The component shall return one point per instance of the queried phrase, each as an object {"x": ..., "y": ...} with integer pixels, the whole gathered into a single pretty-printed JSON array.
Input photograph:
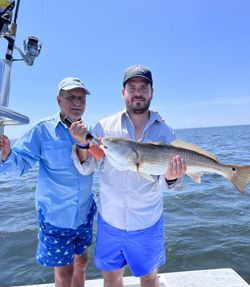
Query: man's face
[
  {"x": 137, "y": 94},
  {"x": 72, "y": 103}
]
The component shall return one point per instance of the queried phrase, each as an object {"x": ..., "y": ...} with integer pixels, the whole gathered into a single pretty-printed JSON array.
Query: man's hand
[
  {"x": 176, "y": 168},
  {"x": 4, "y": 146},
  {"x": 79, "y": 131}
]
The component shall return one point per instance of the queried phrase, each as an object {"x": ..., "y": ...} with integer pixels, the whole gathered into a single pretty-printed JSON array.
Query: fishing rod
[
  {"x": 32, "y": 48},
  {"x": 93, "y": 149}
]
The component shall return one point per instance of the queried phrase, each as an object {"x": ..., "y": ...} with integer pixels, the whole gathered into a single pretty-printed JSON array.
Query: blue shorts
[
  {"x": 57, "y": 246},
  {"x": 142, "y": 250}
]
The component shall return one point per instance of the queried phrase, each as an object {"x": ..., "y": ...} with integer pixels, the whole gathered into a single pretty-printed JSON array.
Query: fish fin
[
  {"x": 190, "y": 146},
  {"x": 145, "y": 175},
  {"x": 137, "y": 170},
  {"x": 239, "y": 176},
  {"x": 195, "y": 176},
  {"x": 156, "y": 143},
  {"x": 137, "y": 167}
]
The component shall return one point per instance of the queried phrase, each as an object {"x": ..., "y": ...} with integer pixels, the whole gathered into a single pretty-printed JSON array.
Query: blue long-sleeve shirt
[{"x": 62, "y": 193}]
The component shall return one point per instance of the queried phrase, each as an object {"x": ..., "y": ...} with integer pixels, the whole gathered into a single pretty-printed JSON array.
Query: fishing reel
[
  {"x": 32, "y": 45},
  {"x": 32, "y": 48}
]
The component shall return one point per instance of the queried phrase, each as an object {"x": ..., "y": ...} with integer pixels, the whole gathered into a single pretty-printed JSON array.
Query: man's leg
[
  {"x": 113, "y": 278},
  {"x": 63, "y": 275},
  {"x": 108, "y": 253},
  {"x": 80, "y": 264},
  {"x": 150, "y": 280},
  {"x": 72, "y": 275}
]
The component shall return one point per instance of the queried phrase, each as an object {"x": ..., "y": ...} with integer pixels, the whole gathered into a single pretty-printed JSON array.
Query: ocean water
[{"x": 206, "y": 226}]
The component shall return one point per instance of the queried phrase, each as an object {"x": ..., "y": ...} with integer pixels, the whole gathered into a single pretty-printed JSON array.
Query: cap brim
[
  {"x": 136, "y": 76},
  {"x": 71, "y": 87}
]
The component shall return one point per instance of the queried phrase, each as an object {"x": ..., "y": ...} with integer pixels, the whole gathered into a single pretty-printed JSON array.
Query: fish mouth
[{"x": 103, "y": 146}]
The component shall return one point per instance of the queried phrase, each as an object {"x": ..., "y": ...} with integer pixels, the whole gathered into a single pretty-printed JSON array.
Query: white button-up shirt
[{"x": 128, "y": 201}]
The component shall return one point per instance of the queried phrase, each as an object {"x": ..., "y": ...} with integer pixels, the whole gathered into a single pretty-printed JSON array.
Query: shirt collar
[
  {"x": 57, "y": 119},
  {"x": 153, "y": 116}
]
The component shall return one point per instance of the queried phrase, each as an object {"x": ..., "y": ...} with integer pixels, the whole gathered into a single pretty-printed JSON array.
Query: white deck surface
[{"x": 199, "y": 278}]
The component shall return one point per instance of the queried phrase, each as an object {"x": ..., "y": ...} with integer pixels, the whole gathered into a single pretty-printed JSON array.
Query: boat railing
[{"x": 7, "y": 116}]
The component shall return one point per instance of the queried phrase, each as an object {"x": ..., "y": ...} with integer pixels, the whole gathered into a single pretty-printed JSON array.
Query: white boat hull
[{"x": 199, "y": 278}]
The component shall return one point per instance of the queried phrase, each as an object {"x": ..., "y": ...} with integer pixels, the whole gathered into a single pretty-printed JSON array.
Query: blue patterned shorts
[{"x": 57, "y": 246}]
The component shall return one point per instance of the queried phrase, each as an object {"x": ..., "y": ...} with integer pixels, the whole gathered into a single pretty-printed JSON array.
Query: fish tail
[{"x": 239, "y": 176}]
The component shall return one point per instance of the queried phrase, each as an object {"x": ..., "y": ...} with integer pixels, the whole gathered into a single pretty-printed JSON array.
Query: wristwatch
[
  {"x": 171, "y": 181},
  {"x": 82, "y": 146}
]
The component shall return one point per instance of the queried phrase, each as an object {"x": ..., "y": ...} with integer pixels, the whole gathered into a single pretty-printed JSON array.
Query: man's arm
[
  {"x": 79, "y": 132},
  {"x": 83, "y": 154},
  {"x": 22, "y": 156}
]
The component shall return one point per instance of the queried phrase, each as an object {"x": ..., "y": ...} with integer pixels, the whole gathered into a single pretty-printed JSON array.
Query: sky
[{"x": 198, "y": 52}]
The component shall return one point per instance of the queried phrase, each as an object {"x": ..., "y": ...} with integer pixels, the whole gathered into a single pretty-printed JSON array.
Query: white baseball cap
[{"x": 70, "y": 83}]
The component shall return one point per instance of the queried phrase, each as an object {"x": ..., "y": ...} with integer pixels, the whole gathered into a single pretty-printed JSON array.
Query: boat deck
[{"x": 199, "y": 278}]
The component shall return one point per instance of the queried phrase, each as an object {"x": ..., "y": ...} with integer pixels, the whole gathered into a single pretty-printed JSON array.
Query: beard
[{"x": 138, "y": 107}]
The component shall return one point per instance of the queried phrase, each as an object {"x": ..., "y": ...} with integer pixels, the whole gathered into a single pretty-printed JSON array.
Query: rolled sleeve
[{"x": 87, "y": 167}]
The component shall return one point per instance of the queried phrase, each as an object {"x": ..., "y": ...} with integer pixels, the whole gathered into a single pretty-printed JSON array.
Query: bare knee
[
  {"x": 114, "y": 278},
  {"x": 63, "y": 275},
  {"x": 80, "y": 262},
  {"x": 150, "y": 280}
]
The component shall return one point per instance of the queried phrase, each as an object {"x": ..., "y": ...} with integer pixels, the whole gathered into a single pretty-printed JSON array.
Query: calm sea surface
[{"x": 207, "y": 225}]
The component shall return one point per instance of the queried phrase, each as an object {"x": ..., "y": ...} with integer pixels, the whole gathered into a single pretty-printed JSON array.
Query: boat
[{"x": 225, "y": 277}]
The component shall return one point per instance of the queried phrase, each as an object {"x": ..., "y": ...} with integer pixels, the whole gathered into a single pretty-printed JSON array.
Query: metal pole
[
  {"x": 8, "y": 59},
  {"x": 16, "y": 11},
  {"x": 11, "y": 39}
]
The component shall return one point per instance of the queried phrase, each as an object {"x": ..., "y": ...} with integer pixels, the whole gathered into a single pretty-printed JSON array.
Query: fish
[{"x": 151, "y": 158}]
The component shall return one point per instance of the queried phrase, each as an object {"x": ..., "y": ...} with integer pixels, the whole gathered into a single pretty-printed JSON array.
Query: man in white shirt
[{"x": 130, "y": 221}]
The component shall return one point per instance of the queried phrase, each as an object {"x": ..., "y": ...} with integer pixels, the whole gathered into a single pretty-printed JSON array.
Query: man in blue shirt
[
  {"x": 130, "y": 229},
  {"x": 64, "y": 200}
]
